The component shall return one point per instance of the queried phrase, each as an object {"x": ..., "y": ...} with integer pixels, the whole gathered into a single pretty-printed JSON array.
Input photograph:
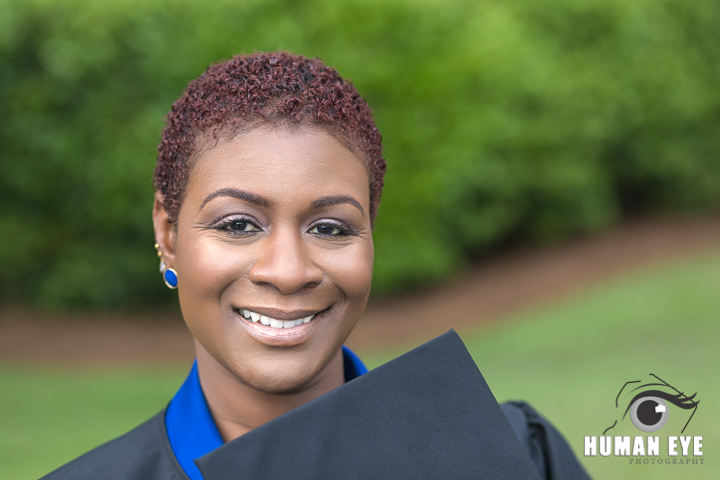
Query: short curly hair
[{"x": 265, "y": 88}]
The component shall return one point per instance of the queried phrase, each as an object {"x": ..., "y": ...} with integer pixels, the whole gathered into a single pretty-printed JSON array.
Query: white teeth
[{"x": 272, "y": 322}]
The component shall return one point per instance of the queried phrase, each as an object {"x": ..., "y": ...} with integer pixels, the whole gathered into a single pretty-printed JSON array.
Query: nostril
[{"x": 285, "y": 276}]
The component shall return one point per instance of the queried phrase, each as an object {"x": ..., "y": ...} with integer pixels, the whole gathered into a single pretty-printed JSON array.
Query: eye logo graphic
[{"x": 649, "y": 408}]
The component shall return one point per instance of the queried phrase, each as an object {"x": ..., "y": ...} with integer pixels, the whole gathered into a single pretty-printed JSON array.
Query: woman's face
[{"x": 274, "y": 226}]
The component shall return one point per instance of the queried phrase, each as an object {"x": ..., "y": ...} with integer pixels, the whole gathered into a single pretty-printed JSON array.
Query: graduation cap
[{"x": 427, "y": 414}]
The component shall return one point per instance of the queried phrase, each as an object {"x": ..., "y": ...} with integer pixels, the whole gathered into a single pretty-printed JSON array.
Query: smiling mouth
[{"x": 272, "y": 322}]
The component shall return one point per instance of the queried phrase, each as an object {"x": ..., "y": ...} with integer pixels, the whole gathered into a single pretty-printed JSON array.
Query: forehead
[{"x": 280, "y": 163}]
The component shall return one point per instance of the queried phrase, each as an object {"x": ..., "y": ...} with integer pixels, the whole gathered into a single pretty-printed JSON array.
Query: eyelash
[
  {"x": 345, "y": 228},
  {"x": 226, "y": 222}
]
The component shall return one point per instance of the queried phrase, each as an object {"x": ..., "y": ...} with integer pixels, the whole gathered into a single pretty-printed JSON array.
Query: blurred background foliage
[{"x": 522, "y": 121}]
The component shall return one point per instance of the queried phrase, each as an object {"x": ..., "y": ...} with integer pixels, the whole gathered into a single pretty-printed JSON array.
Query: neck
[{"x": 238, "y": 407}]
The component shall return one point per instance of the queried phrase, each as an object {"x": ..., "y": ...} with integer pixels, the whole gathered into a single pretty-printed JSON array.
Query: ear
[{"x": 164, "y": 231}]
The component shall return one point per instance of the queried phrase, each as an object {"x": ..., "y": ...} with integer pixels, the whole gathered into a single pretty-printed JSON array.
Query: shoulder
[
  {"x": 142, "y": 453},
  {"x": 547, "y": 448}
]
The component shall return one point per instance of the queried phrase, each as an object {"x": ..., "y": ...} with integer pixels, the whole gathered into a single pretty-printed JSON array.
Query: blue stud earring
[
  {"x": 170, "y": 278},
  {"x": 169, "y": 275}
]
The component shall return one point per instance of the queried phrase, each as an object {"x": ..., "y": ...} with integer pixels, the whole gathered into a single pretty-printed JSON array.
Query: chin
[
  {"x": 279, "y": 377},
  {"x": 279, "y": 386}
]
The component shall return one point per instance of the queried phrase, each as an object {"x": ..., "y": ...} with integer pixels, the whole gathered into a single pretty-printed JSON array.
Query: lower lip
[{"x": 281, "y": 337}]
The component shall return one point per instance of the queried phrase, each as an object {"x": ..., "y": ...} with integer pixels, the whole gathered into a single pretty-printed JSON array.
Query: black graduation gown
[{"x": 428, "y": 414}]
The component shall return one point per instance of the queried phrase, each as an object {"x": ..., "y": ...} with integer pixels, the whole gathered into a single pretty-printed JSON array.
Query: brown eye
[
  {"x": 241, "y": 226},
  {"x": 325, "y": 229}
]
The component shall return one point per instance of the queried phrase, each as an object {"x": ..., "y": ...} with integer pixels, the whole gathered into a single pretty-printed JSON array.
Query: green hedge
[{"x": 514, "y": 121}]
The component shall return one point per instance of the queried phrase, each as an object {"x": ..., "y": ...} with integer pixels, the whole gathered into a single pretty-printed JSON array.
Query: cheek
[
  {"x": 207, "y": 267},
  {"x": 350, "y": 269}
]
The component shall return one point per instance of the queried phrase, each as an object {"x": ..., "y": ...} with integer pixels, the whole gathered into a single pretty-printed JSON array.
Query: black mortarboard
[{"x": 428, "y": 414}]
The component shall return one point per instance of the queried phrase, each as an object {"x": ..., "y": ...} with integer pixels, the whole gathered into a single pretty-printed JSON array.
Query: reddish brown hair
[{"x": 247, "y": 91}]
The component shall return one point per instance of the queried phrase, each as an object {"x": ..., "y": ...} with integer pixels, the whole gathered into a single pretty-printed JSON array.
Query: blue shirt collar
[{"x": 191, "y": 429}]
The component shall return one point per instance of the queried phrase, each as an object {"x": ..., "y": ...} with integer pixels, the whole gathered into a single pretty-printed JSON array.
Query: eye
[
  {"x": 325, "y": 229},
  {"x": 237, "y": 226},
  {"x": 241, "y": 226},
  {"x": 649, "y": 413},
  {"x": 331, "y": 229}
]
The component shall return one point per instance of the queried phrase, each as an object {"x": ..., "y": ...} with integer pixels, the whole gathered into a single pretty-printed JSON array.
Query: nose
[{"x": 284, "y": 262}]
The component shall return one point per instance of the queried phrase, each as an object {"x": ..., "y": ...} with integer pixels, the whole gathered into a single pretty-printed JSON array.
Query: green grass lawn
[{"x": 568, "y": 360}]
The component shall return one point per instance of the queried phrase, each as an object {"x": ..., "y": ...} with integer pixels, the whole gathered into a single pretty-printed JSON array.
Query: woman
[{"x": 268, "y": 182}]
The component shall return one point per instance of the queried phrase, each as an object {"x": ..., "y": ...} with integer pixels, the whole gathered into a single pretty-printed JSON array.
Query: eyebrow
[
  {"x": 239, "y": 194},
  {"x": 336, "y": 200},
  {"x": 263, "y": 202}
]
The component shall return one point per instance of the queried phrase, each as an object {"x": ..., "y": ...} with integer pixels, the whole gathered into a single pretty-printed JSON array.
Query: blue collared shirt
[{"x": 190, "y": 427}]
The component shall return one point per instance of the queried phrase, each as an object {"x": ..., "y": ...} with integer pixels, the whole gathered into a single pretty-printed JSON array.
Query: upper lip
[{"x": 280, "y": 314}]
